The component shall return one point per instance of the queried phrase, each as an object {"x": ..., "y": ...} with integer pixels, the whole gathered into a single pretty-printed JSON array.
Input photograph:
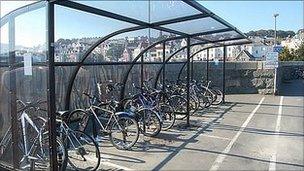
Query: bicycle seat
[{"x": 63, "y": 114}]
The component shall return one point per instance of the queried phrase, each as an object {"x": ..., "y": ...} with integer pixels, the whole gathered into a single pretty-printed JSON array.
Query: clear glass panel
[
  {"x": 196, "y": 26},
  {"x": 240, "y": 41},
  {"x": 165, "y": 10},
  {"x": 8, "y": 6},
  {"x": 131, "y": 8},
  {"x": 221, "y": 36},
  {"x": 30, "y": 36},
  {"x": 25, "y": 80},
  {"x": 5, "y": 117},
  {"x": 127, "y": 46},
  {"x": 159, "y": 10},
  {"x": 4, "y": 47},
  {"x": 76, "y": 31}
]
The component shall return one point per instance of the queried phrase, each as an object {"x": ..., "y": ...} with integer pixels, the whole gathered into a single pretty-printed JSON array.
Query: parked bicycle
[{"x": 33, "y": 143}]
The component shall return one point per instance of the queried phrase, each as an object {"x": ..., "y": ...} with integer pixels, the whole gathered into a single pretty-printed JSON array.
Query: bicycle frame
[{"x": 106, "y": 127}]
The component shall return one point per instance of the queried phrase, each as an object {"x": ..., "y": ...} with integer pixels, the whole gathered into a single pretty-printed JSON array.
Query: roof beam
[
  {"x": 212, "y": 32},
  {"x": 181, "y": 19},
  {"x": 201, "y": 8},
  {"x": 96, "y": 11}
]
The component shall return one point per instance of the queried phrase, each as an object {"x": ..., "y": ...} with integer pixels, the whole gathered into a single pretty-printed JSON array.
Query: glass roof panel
[
  {"x": 240, "y": 41},
  {"x": 196, "y": 26},
  {"x": 8, "y": 6},
  {"x": 134, "y": 9},
  {"x": 159, "y": 10},
  {"x": 77, "y": 31},
  {"x": 165, "y": 10},
  {"x": 221, "y": 36}
]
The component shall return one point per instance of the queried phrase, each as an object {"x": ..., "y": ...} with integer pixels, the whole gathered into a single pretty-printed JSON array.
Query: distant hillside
[{"x": 270, "y": 33}]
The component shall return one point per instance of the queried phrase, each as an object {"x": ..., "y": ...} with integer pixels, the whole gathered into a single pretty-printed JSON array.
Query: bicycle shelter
[{"x": 43, "y": 72}]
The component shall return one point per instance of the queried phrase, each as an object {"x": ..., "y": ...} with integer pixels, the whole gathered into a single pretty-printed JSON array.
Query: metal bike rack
[{"x": 201, "y": 36}]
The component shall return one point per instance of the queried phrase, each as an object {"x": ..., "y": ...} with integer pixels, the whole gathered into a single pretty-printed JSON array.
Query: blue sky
[
  {"x": 254, "y": 15},
  {"x": 245, "y": 15}
]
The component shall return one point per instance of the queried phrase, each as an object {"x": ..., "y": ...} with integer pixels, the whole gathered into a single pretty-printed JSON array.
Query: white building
[{"x": 294, "y": 42}]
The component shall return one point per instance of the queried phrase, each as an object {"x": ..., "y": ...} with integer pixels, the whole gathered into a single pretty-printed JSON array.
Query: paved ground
[{"x": 249, "y": 132}]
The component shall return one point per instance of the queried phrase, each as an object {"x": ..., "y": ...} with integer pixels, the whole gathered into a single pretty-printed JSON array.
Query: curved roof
[{"x": 184, "y": 18}]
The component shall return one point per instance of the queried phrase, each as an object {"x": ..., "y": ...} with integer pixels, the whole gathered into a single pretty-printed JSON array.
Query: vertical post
[
  {"x": 142, "y": 71},
  {"x": 12, "y": 91},
  {"x": 224, "y": 74},
  {"x": 207, "y": 68},
  {"x": 142, "y": 85},
  {"x": 191, "y": 71},
  {"x": 51, "y": 86},
  {"x": 275, "y": 43},
  {"x": 164, "y": 65},
  {"x": 188, "y": 81}
]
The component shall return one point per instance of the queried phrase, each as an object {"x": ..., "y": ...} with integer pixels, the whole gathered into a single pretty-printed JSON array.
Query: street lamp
[
  {"x": 275, "y": 43},
  {"x": 275, "y": 28}
]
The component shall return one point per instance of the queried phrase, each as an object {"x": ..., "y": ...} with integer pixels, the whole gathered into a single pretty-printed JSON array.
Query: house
[
  {"x": 244, "y": 55},
  {"x": 294, "y": 42}
]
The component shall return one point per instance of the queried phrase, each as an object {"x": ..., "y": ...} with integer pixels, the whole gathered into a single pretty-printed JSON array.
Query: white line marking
[
  {"x": 107, "y": 163},
  {"x": 217, "y": 137},
  {"x": 273, "y": 160},
  {"x": 221, "y": 157},
  {"x": 114, "y": 165}
]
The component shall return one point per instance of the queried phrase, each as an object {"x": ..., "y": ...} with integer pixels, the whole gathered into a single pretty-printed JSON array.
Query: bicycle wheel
[
  {"x": 40, "y": 160},
  {"x": 219, "y": 97},
  {"x": 83, "y": 151},
  {"x": 168, "y": 116},
  {"x": 179, "y": 104},
  {"x": 149, "y": 122},
  {"x": 124, "y": 133}
]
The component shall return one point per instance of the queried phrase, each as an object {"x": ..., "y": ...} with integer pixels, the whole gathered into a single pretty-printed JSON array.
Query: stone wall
[{"x": 241, "y": 77}]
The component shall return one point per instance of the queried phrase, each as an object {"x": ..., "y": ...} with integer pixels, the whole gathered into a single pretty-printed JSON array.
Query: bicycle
[
  {"x": 122, "y": 128},
  {"x": 83, "y": 151},
  {"x": 34, "y": 148}
]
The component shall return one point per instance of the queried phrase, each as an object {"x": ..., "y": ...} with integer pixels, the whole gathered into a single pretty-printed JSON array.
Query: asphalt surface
[{"x": 248, "y": 132}]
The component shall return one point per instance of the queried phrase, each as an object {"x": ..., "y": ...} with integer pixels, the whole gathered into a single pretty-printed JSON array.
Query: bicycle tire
[
  {"x": 151, "y": 120},
  {"x": 168, "y": 116},
  {"x": 86, "y": 154},
  {"x": 122, "y": 145}
]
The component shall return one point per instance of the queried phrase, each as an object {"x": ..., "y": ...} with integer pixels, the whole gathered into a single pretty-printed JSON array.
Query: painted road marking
[
  {"x": 217, "y": 137},
  {"x": 106, "y": 162},
  {"x": 273, "y": 160},
  {"x": 114, "y": 165},
  {"x": 221, "y": 157}
]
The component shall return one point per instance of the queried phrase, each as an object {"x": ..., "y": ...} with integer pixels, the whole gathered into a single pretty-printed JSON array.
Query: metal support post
[
  {"x": 51, "y": 87},
  {"x": 188, "y": 81},
  {"x": 224, "y": 73},
  {"x": 13, "y": 91}
]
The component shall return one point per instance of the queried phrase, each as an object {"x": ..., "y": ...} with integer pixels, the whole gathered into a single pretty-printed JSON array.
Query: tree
[
  {"x": 285, "y": 55},
  {"x": 292, "y": 55},
  {"x": 300, "y": 53},
  {"x": 115, "y": 52}
]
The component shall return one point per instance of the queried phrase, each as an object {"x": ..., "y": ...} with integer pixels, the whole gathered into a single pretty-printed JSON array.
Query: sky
[
  {"x": 254, "y": 15},
  {"x": 245, "y": 15}
]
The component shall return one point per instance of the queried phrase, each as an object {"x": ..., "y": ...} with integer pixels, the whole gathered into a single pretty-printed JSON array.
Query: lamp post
[
  {"x": 275, "y": 43},
  {"x": 275, "y": 28}
]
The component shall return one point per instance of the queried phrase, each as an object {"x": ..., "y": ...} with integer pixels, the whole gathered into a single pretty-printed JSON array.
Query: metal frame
[
  {"x": 51, "y": 86},
  {"x": 138, "y": 26}
]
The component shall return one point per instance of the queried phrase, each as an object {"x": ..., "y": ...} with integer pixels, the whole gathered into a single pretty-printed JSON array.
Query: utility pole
[
  {"x": 275, "y": 28},
  {"x": 275, "y": 44}
]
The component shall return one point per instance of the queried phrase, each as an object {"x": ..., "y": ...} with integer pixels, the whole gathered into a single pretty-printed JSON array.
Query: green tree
[
  {"x": 299, "y": 53},
  {"x": 115, "y": 52},
  {"x": 285, "y": 55}
]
